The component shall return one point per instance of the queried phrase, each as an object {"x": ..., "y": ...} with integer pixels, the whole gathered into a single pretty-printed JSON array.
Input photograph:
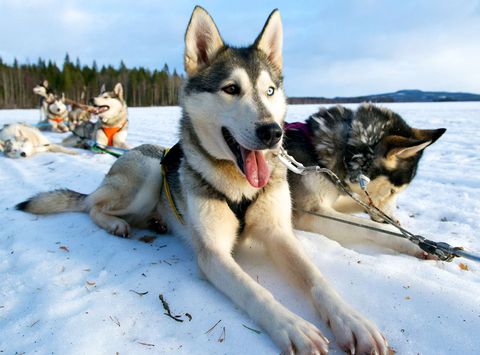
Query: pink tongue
[{"x": 256, "y": 168}]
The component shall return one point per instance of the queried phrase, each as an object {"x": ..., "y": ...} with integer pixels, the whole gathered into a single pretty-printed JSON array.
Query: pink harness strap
[{"x": 298, "y": 126}]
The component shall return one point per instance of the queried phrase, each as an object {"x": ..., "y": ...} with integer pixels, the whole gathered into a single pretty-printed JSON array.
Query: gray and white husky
[
  {"x": 21, "y": 141},
  {"x": 371, "y": 140},
  {"x": 228, "y": 186},
  {"x": 43, "y": 91},
  {"x": 53, "y": 111}
]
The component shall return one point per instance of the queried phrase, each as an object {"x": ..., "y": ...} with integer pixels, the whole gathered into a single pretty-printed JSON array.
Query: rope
[{"x": 442, "y": 250}]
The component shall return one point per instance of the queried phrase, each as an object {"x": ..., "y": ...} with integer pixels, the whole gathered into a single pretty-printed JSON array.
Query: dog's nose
[
  {"x": 90, "y": 102},
  {"x": 270, "y": 134},
  {"x": 23, "y": 154}
]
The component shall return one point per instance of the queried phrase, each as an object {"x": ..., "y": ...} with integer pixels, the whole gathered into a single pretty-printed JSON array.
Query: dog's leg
[
  {"x": 120, "y": 138},
  {"x": 214, "y": 229},
  {"x": 101, "y": 137},
  {"x": 55, "y": 148},
  {"x": 348, "y": 234},
  {"x": 111, "y": 224},
  {"x": 353, "y": 332}
]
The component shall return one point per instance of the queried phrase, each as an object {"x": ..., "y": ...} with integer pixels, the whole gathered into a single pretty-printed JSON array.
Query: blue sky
[{"x": 331, "y": 47}]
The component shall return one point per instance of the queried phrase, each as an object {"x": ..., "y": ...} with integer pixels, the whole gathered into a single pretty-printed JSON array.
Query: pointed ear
[
  {"x": 402, "y": 147},
  {"x": 45, "y": 83},
  {"x": 202, "y": 41},
  {"x": 63, "y": 97},
  {"x": 102, "y": 88},
  {"x": 118, "y": 90},
  {"x": 428, "y": 134},
  {"x": 270, "y": 40}
]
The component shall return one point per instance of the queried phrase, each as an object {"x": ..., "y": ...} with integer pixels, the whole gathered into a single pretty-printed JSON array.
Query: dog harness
[
  {"x": 110, "y": 132},
  {"x": 171, "y": 162},
  {"x": 56, "y": 119}
]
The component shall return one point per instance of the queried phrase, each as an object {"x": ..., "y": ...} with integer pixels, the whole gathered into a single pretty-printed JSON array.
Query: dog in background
[
  {"x": 53, "y": 111},
  {"x": 371, "y": 140},
  {"x": 110, "y": 129},
  {"x": 111, "y": 109},
  {"x": 43, "y": 91},
  {"x": 78, "y": 115},
  {"x": 22, "y": 141}
]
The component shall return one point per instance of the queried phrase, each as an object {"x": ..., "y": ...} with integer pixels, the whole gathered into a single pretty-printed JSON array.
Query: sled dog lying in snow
[
  {"x": 373, "y": 141},
  {"x": 226, "y": 185},
  {"x": 21, "y": 141}
]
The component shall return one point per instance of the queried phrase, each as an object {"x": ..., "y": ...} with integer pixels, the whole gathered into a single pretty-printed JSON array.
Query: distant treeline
[
  {"x": 398, "y": 96},
  {"x": 143, "y": 87}
]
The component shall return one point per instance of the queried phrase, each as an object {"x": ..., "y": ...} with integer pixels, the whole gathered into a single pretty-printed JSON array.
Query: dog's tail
[{"x": 56, "y": 201}]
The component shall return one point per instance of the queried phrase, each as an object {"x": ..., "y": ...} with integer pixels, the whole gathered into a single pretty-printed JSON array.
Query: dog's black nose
[
  {"x": 23, "y": 154},
  {"x": 270, "y": 134},
  {"x": 90, "y": 102}
]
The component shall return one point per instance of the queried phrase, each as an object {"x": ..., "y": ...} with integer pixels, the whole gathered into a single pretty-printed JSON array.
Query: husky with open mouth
[
  {"x": 223, "y": 184},
  {"x": 111, "y": 109}
]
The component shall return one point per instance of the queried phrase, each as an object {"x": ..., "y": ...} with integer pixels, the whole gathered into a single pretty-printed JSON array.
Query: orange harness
[
  {"x": 57, "y": 119},
  {"x": 110, "y": 132}
]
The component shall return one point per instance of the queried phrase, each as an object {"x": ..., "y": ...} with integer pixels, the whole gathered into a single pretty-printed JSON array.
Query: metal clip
[
  {"x": 363, "y": 181},
  {"x": 290, "y": 162}
]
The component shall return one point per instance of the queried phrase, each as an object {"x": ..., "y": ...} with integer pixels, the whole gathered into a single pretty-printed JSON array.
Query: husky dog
[
  {"x": 226, "y": 185},
  {"x": 78, "y": 115},
  {"x": 21, "y": 141},
  {"x": 373, "y": 141},
  {"x": 53, "y": 111},
  {"x": 82, "y": 135},
  {"x": 111, "y": 109},
  {"x": 43, "y": 91},
  {"x": 57, "y": 113}
]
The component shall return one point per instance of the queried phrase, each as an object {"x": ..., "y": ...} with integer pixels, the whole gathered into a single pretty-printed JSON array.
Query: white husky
[{"x": 21, "y": 141}]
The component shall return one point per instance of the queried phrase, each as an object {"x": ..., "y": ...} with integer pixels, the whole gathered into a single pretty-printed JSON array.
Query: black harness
[{"x": 171, "y": 163}]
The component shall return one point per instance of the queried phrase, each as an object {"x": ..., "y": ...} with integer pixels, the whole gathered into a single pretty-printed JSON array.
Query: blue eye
[{"x": 271, "y": 91}]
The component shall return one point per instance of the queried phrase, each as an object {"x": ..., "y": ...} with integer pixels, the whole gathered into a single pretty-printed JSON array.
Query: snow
[{"x": 66, "y": 285}]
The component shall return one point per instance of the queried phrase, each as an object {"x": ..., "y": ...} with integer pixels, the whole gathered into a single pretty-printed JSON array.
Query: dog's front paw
[
  {"x": 353, "y": 332},
  {"x": 357, "y": 335},
  {"x": 295, "y": 335},
  {"x": 405, "y": 246},
  {"x": 120, "y": 228}
]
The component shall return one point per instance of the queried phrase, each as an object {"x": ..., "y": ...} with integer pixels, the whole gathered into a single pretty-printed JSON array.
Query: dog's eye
[
  {"x": 271, "y": 91},
  {"x": 231, "y": 89}
]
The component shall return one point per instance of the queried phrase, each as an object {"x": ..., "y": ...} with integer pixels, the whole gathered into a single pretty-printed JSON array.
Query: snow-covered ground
[{"x": 68, "y": 287}]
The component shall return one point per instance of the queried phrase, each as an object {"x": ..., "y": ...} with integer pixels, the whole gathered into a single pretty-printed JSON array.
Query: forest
[{"x": 143, "y": 87}]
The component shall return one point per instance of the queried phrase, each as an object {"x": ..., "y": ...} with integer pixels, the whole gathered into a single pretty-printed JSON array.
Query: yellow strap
[{"x": 168, "y": 194}]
